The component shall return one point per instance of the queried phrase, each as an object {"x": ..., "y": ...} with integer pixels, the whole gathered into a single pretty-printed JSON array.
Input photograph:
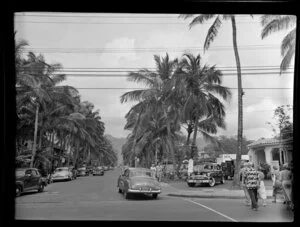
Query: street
[{"x": 96, "y": 198}]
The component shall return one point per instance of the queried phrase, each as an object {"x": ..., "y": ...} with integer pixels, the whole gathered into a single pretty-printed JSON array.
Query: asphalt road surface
[{"x": 96, "y": 198}]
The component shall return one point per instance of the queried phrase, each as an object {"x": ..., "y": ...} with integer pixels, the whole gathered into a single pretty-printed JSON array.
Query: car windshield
[
  {"x": 61, "y": 170},
  {"x": 20, "y": 172},
  {"x": 140, "y": 173}
]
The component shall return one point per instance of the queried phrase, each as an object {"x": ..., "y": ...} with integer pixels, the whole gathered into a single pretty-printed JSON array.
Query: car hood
[{"x": 144, "y": 181}]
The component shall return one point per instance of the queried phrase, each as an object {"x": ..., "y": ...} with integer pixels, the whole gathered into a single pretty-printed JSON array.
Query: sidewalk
[{"x": 180, "y": 189}]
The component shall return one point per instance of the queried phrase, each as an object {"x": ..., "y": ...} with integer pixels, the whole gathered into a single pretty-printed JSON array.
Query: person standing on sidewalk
[
  {"x": 262, "y": 189},
  {"x": 243, "y": 185},
  {"x": 285, "y": 177},
  {"x": 153, "y": 170},
  {"x": 276, "y": 183},
  {"x": 252, "y": 183}
]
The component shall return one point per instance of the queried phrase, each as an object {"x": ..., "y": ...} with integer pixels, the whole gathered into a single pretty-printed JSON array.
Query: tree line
[{"x": 53, "y": 116}]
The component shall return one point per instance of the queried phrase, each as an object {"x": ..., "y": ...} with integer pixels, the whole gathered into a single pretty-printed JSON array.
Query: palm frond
[
  {"x": 201, "y": 19},
  {"x": 287, "y": 59},
  {"x": 142, "y": 76},
  {"x": 212, "y": 33},
  {"x": 288, "y": 41}
]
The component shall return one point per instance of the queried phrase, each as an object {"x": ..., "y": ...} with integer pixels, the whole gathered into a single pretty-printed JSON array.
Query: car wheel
[
  {"x": 41, "y": 188},
  {"x": 18, "y": 190},
  {"x": 212, "y": 182},
  {"x": 154, "y": 196},
  {"x": 191, "y": 184},
  {"x": 120, "y": 190}
]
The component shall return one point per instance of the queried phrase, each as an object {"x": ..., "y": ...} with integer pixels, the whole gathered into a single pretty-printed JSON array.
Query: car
[
  {"x": 98, "y": 171},
  {"x": 74, "y": 172},
  {"x": 138, "y": 181},
  {"x": 28, "y": 179},
  {"x": 208, "y": 173},
  {"x": 82, "y": 172},
  {"x": 105, "y": 168},
  {"x": 62, "y": 173}
]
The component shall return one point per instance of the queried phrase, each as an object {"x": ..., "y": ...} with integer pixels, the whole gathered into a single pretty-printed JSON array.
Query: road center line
[{"x": 225, "y": 216}]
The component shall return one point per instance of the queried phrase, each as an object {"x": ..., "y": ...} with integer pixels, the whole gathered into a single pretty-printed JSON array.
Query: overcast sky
[{"x": 130, "y": 40}]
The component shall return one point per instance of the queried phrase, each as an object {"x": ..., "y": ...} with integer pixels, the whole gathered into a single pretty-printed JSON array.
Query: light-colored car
[
  {"x": 138, "y": 181},
  {"x": 62, "y": 173}
]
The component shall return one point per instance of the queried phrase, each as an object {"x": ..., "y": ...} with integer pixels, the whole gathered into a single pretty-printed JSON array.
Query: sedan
[
  {"x": 138, "y": 181},
  {"x": 82, "y": 172},
  {"x": 62, "y": 173},
  {"x": 98, "y": 171}
]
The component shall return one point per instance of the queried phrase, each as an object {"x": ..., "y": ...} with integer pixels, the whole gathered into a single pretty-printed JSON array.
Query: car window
[
  {"x": 140, "y": 173},
  {"x": 126, "y": 173},
  {"x": 34, "y": 173},
  {"x": 20, "y": 173}
]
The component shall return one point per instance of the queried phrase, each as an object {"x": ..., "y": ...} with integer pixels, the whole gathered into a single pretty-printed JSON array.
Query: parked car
[
  {"x": 89, "y": 170},
  {"x": 28, "y": 179},
  {"x": 208, "y": 173},
  {"x": 138, "y": 181},
  {"x": 82, "y": 172},
  {"x": 98, "y": 171},
  {"x": 105, "y": 168},
  {"x": 228, "y": 169},
  {"x": 62, "y": 173}
]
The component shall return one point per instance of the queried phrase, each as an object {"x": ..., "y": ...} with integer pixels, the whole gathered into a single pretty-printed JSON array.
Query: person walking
[
  {"x": 285, "y": 178},
  {"x": 247, "y": 196},
  {"x": 276, "y": 183},
  {"x": 262, "y": 189},
  {"x": 251, "y": 181}
]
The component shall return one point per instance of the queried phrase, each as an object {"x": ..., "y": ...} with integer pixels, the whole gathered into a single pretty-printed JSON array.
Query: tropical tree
[
  {"x": 211, "y": 35},
  {"x": 153, "y": 104},
  {"x": 276, "y": 23}
]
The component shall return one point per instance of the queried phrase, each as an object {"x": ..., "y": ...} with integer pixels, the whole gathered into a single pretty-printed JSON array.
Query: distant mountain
[
  {"x": 117, "y": 144},
  {"x": 201, "y": 143}
]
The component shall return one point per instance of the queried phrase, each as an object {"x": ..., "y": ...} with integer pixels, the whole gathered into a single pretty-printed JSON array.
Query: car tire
[
  {"x": 191, "y": 184},
  {"x": 212, "y": 182},
  {"x": 18, "y": 191},
  {"x": 41, "y": 188},
  {"x": 154, "y": 196},
  {"x": 119, "y": 190}
]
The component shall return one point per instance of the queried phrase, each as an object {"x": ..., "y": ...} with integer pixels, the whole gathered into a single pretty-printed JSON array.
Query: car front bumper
[
  {"x": 144, "y": 191},
  {"x": 198, "y": 181},
  {"x": 60, "y": 178}
]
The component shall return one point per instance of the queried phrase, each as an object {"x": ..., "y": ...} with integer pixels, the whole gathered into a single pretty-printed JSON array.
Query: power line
[
  {"x": 124, "y": 88},
  {"x": 135, "y": 23}
]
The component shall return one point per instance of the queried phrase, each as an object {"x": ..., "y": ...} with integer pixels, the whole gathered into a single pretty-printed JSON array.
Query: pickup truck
[{"x": 28, "y": 179}]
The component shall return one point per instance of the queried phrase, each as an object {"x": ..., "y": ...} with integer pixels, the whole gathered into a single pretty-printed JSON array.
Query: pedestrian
[
  {"x": 285, "y": 178},
  {"x": 276, "y": 183},
  {"x": 153, "y": 170},
  {"x": 243, "y": 185},
  {"x": 262, "y": 189},
  {"x": 251, "y": 181}
]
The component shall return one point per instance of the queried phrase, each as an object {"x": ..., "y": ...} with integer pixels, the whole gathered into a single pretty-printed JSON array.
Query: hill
[{"x": 117, "y": 144}]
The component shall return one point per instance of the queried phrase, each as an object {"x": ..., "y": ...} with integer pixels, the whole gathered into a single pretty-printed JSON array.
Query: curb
[{"x": 210, "y": 196}]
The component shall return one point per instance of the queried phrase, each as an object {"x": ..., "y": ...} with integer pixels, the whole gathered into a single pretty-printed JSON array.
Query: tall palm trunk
[
  {"x": 40, "y": 136},
  {"x": 194, "y": 136},
  {"x": 35, "y": 135},
  {"x": 236, "y": 180},
  {"x": 134, "y": 138}
]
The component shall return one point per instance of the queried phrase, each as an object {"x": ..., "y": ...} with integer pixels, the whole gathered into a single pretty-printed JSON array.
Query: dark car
[
  {"x": 98, "y": 171},
  {"x": 206, "y": 173},
  {"x": 28, "y": 179},
  {"x": 82, "y": 172},
  {"x": 228, "y": 169},
  {"x": 138, "y": 181}
]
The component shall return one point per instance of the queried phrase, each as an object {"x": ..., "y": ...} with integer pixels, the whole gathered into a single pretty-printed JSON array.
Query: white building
[{"x": 269, "y": 150}]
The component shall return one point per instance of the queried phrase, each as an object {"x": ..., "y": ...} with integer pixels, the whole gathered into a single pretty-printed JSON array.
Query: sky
[{"x": 124, "y": 42}]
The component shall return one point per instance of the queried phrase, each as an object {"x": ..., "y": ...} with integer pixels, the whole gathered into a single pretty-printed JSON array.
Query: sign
[
  {"x": 274, "y": 163},
  {"x": 190, "y": 166}
]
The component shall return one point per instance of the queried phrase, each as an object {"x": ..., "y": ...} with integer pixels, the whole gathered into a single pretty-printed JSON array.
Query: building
[
  {"x": 270, "y": 150},
  {"x": 228, "y": 157}
]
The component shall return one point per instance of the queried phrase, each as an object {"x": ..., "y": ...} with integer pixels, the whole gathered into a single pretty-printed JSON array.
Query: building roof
[{"x": 270, "y": 142}]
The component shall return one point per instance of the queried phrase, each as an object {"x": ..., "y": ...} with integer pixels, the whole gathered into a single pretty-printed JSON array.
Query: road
[{"x": 96, "y": 198}]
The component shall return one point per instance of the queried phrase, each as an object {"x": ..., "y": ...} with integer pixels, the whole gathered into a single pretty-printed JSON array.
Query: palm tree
[
  {"x": 211, "y": 35},
  {"x": 275, "y": 23},
  {"x": 201, "y": 111},
  {"x": 152, "y": 98}
]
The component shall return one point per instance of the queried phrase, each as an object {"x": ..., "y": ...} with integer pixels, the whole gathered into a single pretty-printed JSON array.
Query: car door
[
  {"x": 35, "y": 177},
  {"x": 28, "y": 183}
]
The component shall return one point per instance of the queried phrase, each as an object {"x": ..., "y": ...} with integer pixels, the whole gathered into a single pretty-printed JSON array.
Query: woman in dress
[{"x": 261, "y": 189}]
